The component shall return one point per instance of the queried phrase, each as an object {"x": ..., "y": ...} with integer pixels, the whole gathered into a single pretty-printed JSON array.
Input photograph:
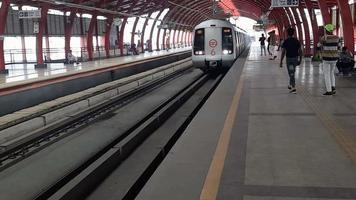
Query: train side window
[
  {"x": 199, "y": 38},
  {"x": 227, "y": 41}
]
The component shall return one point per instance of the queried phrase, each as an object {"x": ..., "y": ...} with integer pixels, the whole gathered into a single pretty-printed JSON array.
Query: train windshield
[
  {"x": 227, "y": 41},
  {"x": 199, "y": 42}
]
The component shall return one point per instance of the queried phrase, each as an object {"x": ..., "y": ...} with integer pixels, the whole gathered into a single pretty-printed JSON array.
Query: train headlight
[
  {"x": 225, "y": 52},
  {"x": 199, "y": 52}
]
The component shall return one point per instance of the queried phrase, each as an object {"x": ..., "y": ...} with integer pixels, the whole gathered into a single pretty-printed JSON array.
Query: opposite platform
[
  {"x": 24, "y": 72},
  {"x": 253, "y": 140}
]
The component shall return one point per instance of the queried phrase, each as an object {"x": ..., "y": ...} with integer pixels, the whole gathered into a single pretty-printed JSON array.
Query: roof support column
[
  {"x": 174, "y": 38},
  {"x": 68, "y": 25},
  {"x": 312, "y": 17},
  {"x": 108, "y": 26},
  {"x": 134, "y": 31},
  {"x": 153, "y": 27},
  {"x": 90, "y": 37},
  {"x": 3, "y": 16},
  {"x": 23, "y": 42},
  {"x": 347, "y": 27},
  {"x": 324, "y": 11},
  {"x": 121, "y": 36},
  {"x": 306, "y": 32},
  {"x": 48, "y": 52},
  {"x": 182, "y": 37},
  {"x": 39, "y": 46},
  {"x": 292, "y": 24},
  {"x": 297, "y": 20},
  {"x": 82, "y": 37},
  {"x": 149, "y": 43},
  {"x": 186, "y": 38},
  {"x": 337, "y": 22},
  {"x": 158, "y": 34},
  {"x": 190, "y": 38},
  {"x": 354, "y": 19},
  {"x": 178, "y": 37}
]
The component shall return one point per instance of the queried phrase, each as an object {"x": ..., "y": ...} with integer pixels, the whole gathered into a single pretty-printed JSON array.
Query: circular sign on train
[{"x": 213, "y": 43}]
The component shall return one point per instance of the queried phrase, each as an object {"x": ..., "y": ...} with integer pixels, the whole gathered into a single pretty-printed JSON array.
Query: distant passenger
[
  {"x": 271, "y": 44},
  {"x": 330, "y": 46},
  {"x": 262, "y": 43},
  {"x": 346, "y": 62},
  {"x": 71, "y": 58},
  {"x": 292, "y": 49}
]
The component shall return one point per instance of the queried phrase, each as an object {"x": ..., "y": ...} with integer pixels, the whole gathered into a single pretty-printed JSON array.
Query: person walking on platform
[
  {"x": 262, "y": 43},
  {"x": 330, "y": 46},
  {"x": 272, "y": 44},
  {"x": 292, "y": 49}
]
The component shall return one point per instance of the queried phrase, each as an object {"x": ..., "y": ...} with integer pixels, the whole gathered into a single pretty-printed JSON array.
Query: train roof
[{"x": 218, "y": 23}]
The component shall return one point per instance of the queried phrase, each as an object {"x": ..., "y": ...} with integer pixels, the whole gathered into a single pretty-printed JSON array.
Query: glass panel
[
  {"x": 227, "y": 41},
  {"x": 199, "y": 42}
]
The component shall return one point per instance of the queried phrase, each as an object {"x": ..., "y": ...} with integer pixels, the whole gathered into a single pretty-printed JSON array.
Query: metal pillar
[
  {"x": 324, "y": 11},
  {"x": 298, "y": 23},
  {"x": 153, "y": 26},
  {"x": 68, "y": 25},
  {"x": 90, "y": 37},
  {"x": 23, "y": 42},
  {"x": 347, "y": 24},
  {"x": 3, "y": 16},
  {"x": 307, "y": 51},
  {"x": 312, "y": 17},
  {"x": 39, "y": 37},
  {"x": 108, "y": 24}
]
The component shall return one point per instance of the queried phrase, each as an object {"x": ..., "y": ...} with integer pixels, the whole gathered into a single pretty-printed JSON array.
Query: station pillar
[
  {"x": 90, "y": 37},
  {"x": 347, "y": 24},
  {"x": 108, "y": 24},
  {"x": 39, "y": 44},
  {"x": 3, "y": 16}
]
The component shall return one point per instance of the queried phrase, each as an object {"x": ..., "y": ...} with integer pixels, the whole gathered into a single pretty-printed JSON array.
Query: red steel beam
[
  {"x": 306, "y": 32},
  {"x": 108, "y": 25},
  {"x": 347, "y": 24},
  {"x": 325, "y": 11},
  {"x": 90, "y": 37},
  {"x": 3, "y": 16},
  {"x": 312, "y": 16},
  {"x": 39, "y": 46}
]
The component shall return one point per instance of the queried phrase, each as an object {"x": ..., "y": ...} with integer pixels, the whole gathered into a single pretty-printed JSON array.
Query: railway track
[
  {"x": 77, "y": 182},
  {"x": 26, "y": 145}
]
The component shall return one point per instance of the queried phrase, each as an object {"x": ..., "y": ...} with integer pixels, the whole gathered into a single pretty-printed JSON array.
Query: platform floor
[
  {"x": 253, "y": 140},
  {"x": 23, "y": 72}
]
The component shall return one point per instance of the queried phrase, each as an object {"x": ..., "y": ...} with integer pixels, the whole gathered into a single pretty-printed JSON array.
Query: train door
[{"x": 213, "y": 45}]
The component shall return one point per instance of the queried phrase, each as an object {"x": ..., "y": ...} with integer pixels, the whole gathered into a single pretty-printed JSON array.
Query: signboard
[
  {"x": 26, "y": 14},
  {"x": 284, "y": 3},
  {"x": 258, "y": 27},
  {"x": 36, "y": 27},
  {"x": 165, "y": 26}
]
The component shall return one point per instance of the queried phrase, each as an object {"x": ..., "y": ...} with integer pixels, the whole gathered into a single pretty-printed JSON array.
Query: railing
[{"x": 13, "y": 56}]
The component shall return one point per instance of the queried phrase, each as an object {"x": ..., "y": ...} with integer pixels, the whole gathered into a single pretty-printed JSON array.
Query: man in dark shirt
[
  {"x": 291, "y": 48},
  {"x": 262, "y": 43}
]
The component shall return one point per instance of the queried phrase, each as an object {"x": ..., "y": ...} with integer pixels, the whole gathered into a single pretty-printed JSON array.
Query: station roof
[{"x": 182, "y": 12}]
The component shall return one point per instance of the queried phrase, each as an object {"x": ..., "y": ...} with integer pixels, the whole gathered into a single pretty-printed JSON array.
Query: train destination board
[{"x": 284, "y": 3}]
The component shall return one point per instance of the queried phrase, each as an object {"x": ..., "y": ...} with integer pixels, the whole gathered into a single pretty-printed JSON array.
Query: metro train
[{"x": 217, "y": 44}]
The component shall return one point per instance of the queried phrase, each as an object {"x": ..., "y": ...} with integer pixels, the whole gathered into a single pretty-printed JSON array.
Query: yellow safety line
[
  {"x": 212, "y": 180},
  {"x": 347, "y": 144}
]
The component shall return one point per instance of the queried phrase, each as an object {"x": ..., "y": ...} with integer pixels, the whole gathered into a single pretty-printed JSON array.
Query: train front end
[{"x": 213, "y": 46}]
